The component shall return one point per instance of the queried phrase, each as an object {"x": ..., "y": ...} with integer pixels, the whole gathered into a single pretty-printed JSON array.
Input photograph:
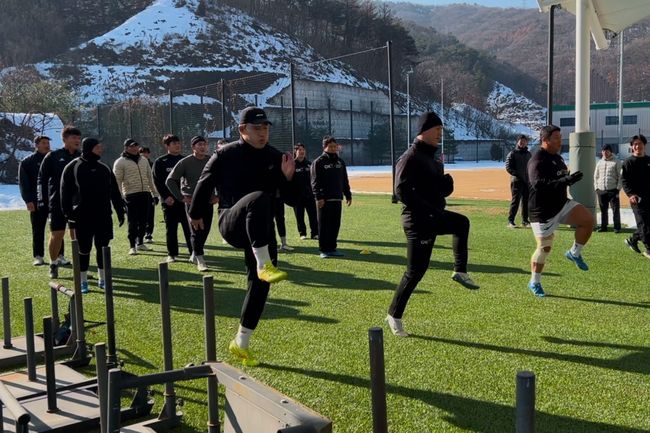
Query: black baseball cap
[
  {"x": 254, "y": 115},
  {"x": 607, "y": 147}
]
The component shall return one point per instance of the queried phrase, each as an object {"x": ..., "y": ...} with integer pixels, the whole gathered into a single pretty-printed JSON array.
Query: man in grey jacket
[
  {"x": 516, "y": 166},
  {"x": 181, "y": 182},
  {"x": 608, "y": 182}
]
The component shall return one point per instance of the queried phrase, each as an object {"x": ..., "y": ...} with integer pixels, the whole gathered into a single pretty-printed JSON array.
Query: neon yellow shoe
[
  {"x": 271, "y": 274},
  {"x": 246, "y": 356}
]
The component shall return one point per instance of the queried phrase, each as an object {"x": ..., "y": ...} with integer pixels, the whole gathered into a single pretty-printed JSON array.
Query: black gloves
[
  {"x": 572, "y": 178},
  {"x": 156, "y": 200}
]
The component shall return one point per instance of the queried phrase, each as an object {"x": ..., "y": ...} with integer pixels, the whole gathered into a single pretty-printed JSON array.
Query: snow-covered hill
[
  {"x": 509, "y": 107},
  {"x": 169, "y": 46}
]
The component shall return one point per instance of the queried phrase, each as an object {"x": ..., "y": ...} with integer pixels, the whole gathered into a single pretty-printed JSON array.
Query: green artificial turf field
[{"x": 587, "y": 342}]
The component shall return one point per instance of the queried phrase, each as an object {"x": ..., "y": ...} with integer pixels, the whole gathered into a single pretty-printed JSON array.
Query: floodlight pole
[
  {"x": 391, "y": 117},
  {"x": 620, "y": 88},
  {"x": 549, "y": 90}
]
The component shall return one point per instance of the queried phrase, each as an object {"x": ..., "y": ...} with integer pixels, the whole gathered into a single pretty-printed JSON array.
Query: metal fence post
[
  {"x": 329, "y": 116},
  {"x": 171, "y": 112},
  {"x": 130, "y": 117},
  {"x": 29, "y": 340},
  {"x": 111, "y": 357},
  {"x": 50, "y": 378},
  {"x": 223, "y": 107},
  {"x": 525, "y": 404},
  {"x": 351, "y": 135},
  {"x": 293, "y": 104},
  {"x": 6, "y": 313},
  {"x": 211, "y": 353},
  {"x": 392, "y": 116},
  {"x": 168, "y": 359},
  {"x": 306, "y": 119}
]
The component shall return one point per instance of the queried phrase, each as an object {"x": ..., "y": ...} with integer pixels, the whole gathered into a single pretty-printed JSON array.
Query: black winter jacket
[
  {"x": 161, "y": 169},
  {"x": 636, "y": 178},
  {"x": 548, "y": 184},
  {"x": 517, "y": 164},
  {"x": 28, "y": 177},
  {"x": 49, "y": 177},
  {"x": 303, "y": 178},
  {"x": 329, "y": 178},
  {"x": 88, "y": 187}
]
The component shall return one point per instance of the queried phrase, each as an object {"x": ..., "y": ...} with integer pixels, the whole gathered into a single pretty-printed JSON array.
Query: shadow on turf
[
  {"x": 638, "y": 362},
  {"x": 467, "y": 413},
  {"x": 142, "y": 284},
  {"x": 603, "y": 301}
]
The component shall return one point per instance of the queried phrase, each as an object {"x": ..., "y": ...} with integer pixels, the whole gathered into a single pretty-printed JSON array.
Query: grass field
[{"x": 587, "y": 342}]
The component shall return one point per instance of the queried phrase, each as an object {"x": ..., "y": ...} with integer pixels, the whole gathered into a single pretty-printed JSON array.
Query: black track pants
[
  {"x": 137, "y": 206},
  {"x": 175, "y": 215},
  {"x": 306, "y": 204},
  {"x": 329, "y": 223}
]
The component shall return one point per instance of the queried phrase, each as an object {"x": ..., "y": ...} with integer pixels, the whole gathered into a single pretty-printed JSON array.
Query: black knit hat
[
  {"x": 196, "y": 139},
  {"x": 254, "y": 115},
  {"x": 130, "y": 142},
  {"x": 428, "y": 120},
  {"x": 88, "y": 144}
]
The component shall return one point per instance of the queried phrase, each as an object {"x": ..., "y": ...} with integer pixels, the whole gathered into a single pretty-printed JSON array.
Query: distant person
[
  {"x": 173, "y": 209},
  {"x": 135, "y": 180},
  {"x": 247, "y": 175},
  {"x": 306, "y": 200},
  {"x": 181, "y": 182},
  {"x": 608, "y": 183},
  {"x": 145, "y": 152},
  {"x": 550, "y": 206},
  {"x": 422, "y": 185},
  {"x": 88, "y": 188},
  {"x": 28, "y": 182},
  {"x": 516, "y": 165},
  {"x": 636, "y": 184},
  {"x": 329, "y": 182},
  {"x": 49, "y": 179}
]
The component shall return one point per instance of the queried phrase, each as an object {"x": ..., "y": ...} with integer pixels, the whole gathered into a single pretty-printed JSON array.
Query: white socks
[
  {"x": 283, "y": 240},
  {"x": 100, "y": 271},
  {"x": 262, "y": 256},
  {"x": 576, "y": 249},
  {"x": 84, "y": 276},
  {"x": 243, "y": 337},
  {"x": 536, "y": 277}
]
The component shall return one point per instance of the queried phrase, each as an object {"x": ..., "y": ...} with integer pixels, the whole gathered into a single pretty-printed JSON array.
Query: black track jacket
[
  {"x": 547, "y": 187},
  {"x": 329, "y": 178}
]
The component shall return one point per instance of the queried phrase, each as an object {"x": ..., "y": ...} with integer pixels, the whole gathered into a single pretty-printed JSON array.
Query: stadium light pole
[
  {"x": 620, "y": 90},
  {"x": 549, "y": 90},
  {"x": 408, "y": 107}
]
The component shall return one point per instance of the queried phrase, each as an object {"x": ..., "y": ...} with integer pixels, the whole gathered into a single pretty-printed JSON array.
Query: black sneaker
[
  {"x": 601, "y": 229},
  {"x": 633, "y": 245},
  {"x": 54, "y": 270}
]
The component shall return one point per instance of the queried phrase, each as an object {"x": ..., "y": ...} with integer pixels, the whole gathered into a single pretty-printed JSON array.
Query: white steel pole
[{"x": 583, "y": 65}]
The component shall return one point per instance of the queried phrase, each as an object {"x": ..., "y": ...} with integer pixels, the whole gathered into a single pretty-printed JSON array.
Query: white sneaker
[
  {"x": 200, "y": 264},
  {"x": 143, "y": 247},
  {"x": 464, "y": 280},
  {"x": 148, "y": 239},
  {"x": 284, "y": 248},
  {"x": 62, "y": 261},
  {"x": 170, "y": 259},
  {"x": 192, "y": 258},
  {"x": 133, "y": 252},
  {"x": 396, "y": 326},
  {"x": 303, "y": 238},
  {"x": 38, "y": 261}
]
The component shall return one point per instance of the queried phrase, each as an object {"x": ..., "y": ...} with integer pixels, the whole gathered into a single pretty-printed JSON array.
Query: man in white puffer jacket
[
  {"x": 134, "y": 178},
  {"x": 608, "y": 183}
]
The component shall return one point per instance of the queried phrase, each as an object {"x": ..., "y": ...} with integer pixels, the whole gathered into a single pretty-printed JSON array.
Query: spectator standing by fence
[
  {"x": 516, "y": 166},
  {"x": 28, "y": 182},
  {"x": 181, "y": 183},
  {"x": 608, "y": 183},
  {"x": 329, "y": 181},
  {"x": 133, "y": 175},
  {"x": 173, "y": 210},
  {"x": 306, "y": 201}
]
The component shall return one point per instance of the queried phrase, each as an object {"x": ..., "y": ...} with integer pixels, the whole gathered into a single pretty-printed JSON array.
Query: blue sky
[{"x": 490, "y": 3}]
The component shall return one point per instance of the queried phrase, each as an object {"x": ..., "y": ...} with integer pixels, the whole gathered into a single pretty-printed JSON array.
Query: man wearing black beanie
[
  {"x": 88, "y": 187},
  {"x": 422, "y": 185}
]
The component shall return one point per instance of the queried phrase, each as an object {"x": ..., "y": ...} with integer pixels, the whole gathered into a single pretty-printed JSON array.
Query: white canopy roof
[{"x": 612, "y": 15}]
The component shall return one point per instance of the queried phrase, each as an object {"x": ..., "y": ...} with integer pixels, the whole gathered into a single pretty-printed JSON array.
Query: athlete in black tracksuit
[
  {"x": 247, "y": 178},
  {"x": 174, "y": 214},
  {"x": 306, "y": 201},
  {"x": 88, "y": 187},
  {"x": 329, "y": 182},
  {"x": 28, "y": 181},
  {"x": 422, "y": 185},
  {"x": 516, "y": 166},
  {"x": 636, "y": 183}
]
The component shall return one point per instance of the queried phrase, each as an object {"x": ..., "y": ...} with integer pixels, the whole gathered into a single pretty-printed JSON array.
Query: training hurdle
[
  {"x": 56, "y": 397},
  {"x": 250, "y": 407}
]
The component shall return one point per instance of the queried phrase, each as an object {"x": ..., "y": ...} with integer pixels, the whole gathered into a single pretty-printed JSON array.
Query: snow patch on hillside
[{"x": 506, "y": 105}]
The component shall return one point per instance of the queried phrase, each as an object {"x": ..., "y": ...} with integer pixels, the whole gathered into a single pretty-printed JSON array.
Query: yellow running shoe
[
  {"x": 271, "y": 274},
  {"x": 246, "y": 356}
]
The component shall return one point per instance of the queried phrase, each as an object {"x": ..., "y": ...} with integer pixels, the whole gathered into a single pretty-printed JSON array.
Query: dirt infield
[{"x": 488, "y": 183}]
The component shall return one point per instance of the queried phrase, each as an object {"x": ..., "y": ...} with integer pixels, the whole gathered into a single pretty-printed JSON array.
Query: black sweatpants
[
  {"x": 248, "y": 224},
  {"x": 419, "y": 244},
  {"x": 329, "y": 223},
  {"x": 278, "y": 214},
  {"x": 642, "y": 218},
  {"x": 306, "y": 204},
  {"x": 151, "y": 214},
  {"x": 101, "y": 232},
  {"x": 175, "y": 215},
  {"x": 608, "y": 198},
  {"x": 137, "y": 206},
  {"x": 519, "y": 191},
  {"x": 38, "y": 218},
  {"x": 200, "y": 236}
]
